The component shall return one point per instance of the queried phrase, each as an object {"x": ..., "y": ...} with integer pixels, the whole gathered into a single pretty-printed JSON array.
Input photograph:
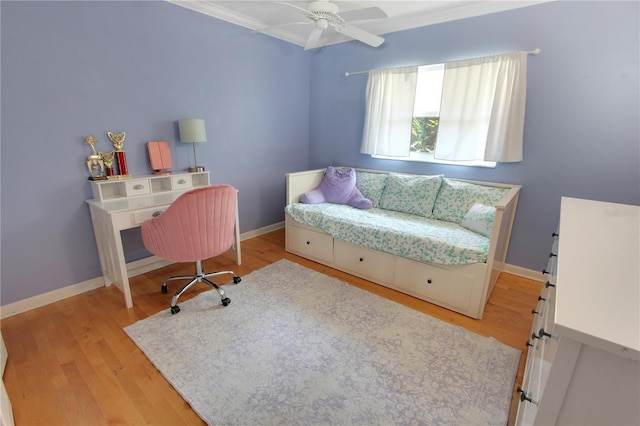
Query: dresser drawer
[
  {"x": 434, "y": 283},
  {"x": 137, "y": 187},
  {"x": 312, "y": 244},
  {"x": 181, "y": 182},
  {"x": 142, "y": 215},
  {"x": 364, "y": 262}
]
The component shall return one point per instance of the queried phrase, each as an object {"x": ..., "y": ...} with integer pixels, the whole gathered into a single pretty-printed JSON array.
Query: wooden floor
[{"x": 70, "y": 363}]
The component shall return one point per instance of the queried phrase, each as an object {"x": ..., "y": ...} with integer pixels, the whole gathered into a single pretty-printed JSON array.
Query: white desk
[{"x": 119, "y": 205}]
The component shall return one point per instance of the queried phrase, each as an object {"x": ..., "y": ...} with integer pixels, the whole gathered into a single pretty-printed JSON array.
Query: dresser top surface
[{"x": 598, "y": 293}]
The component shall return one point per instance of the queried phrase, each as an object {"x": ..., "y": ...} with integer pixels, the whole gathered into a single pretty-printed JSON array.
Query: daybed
[{"x": 423, "y": 235}]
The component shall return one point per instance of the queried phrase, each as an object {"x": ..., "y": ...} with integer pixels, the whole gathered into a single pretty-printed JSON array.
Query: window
[
  {"x": 467, "y": 112},
  {"x": 426, "y": 109}
]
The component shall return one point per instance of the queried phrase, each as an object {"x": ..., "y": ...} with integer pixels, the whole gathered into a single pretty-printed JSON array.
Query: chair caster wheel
[
  {"x": 226, "y": 301},
  {"x": 236, "y": 280},
  {"x": 164, "y": 289},
  {"x": 175, "y": 309}
]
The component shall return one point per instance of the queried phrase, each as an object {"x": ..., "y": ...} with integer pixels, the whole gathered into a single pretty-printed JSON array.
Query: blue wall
[
  {"x": 581, "y": 136},
  {"x": 72, "y": 69}
]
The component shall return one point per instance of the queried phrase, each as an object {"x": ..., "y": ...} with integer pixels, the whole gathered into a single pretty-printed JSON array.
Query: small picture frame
[{"x": 160, "y": 157}]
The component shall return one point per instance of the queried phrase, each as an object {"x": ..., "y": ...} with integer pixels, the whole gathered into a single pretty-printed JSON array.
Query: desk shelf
[{"x": 104, "y": 190}]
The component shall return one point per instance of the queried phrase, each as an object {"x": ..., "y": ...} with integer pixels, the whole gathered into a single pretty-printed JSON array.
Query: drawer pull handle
[
  {"x": 548, "y": 284},
  {"x": 523, "y": 395},
  {"x": 541, "y": 298},
  {"x": 543, "y": 333},
  {"x": 429, "y": 281},
  {"x": 138, "y": 186},
  {"x": 362, "y": 259},
  {"x": 157, "y": 213},
  {"x": 182, "y": 181}
]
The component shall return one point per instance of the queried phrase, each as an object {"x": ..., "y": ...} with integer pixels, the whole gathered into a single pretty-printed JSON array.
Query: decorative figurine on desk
[
  {"x": 94, "y": 161},
  {"x": 118, "y": 142},
  {"x": 107, "y": 159}
]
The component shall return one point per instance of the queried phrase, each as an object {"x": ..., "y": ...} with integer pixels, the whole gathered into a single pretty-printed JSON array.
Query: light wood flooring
[{"x": 70, "y": 362}]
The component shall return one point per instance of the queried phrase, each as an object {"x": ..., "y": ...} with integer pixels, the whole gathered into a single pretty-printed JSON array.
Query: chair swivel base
[{"x": 198, "y": 277}]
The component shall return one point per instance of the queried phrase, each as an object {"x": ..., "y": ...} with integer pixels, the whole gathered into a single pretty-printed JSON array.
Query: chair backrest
[{"x": 198, "y": 225}]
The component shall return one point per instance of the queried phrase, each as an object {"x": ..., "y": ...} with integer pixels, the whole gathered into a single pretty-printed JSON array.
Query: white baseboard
[
  {"x": 261, "y": 231},
  {"x": 150, "y": 263},
  {"x": 524, "y": 272},
  {"x": 133, "y": 268},
  {"x": 49, "y": 297}
]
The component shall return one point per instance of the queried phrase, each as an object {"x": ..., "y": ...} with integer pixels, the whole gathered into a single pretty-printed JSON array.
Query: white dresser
[{"x": 584, "y": 351}]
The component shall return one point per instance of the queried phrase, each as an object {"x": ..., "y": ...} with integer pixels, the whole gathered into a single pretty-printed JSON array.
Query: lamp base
[{"x": 195, "y": 169}]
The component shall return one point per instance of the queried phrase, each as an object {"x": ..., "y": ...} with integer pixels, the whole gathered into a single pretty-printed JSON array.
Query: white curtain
[
  {"x": 482, "y": 109},
  {"x": 387, "y": 124}
]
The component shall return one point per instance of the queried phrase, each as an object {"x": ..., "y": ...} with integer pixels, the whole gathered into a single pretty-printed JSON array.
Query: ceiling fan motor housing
[{"x": 324, "y": 9}]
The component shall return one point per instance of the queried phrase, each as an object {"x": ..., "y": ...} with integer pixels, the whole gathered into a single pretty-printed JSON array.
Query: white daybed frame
[{"x": 461, "y": 288}]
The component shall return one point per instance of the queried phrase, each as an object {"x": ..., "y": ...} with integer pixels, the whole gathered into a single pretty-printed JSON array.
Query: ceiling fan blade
[
  {"x": 362, "y": 14},
  {"x": 295, "y": 7},
  {"x": 313, "y": 39},
  {"x": 272, "y": 27},
  {"x": 360, "y": 35}
]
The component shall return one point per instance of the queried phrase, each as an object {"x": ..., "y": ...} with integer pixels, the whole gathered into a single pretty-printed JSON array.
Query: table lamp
[{"x": 192, "y": 131}]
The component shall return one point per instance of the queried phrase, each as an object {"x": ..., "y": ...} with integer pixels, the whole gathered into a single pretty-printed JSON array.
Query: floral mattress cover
[{"x": 414, "y": 237}]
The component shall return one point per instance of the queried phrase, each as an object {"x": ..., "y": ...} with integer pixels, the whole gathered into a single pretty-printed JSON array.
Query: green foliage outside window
[{"x": 424, "y": 132}]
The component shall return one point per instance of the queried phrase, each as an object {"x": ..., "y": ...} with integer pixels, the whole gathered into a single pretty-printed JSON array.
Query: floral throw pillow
[
  {"x": 371, "y": 185},
  {"x": 411, "y": 194},
  {"x": 456, "y": 198},
  {"x": 479, "y": 219}
]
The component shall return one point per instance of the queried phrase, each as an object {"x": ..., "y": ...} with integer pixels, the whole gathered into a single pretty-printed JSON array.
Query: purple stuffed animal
[{"x": 338, "y": 186}]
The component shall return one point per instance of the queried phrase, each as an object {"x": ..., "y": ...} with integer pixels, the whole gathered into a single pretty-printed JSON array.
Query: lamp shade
[{"x": 192, "y": 130}]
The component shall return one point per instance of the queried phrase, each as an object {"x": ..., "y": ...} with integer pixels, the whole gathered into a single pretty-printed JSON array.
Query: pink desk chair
[{"x": 198, "y": 225}]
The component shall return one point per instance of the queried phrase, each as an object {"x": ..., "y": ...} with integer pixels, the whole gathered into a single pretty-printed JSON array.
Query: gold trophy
[
  {"x": 94, "y": 161},
  {"x": 107, "y": 159},
  {"x": 118, "y": 142}
]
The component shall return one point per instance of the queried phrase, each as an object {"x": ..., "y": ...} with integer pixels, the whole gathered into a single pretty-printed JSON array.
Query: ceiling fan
[{"x": 324, "y": 13}]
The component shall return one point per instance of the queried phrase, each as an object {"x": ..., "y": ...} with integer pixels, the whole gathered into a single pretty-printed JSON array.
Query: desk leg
[
  {"x": 101, "y": 244},
  {"x": 111, "y": 252},
  {"x": 120, "y": 272},
  {"x": 238, "y": 253}
]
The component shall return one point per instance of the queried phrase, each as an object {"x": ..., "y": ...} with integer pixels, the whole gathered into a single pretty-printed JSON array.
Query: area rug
[{"x": 297, "y": 347}]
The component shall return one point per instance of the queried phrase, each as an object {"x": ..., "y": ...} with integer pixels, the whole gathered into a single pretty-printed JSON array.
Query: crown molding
[{"x": 460, "y": 10}]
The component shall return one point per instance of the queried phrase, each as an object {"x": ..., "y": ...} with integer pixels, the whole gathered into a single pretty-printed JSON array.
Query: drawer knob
[
  {"x": 529, "y": 344},
  {"x": 534, "y": 336},
  {"x": 555, "y": 234},
  {"x": 534, "y": 312},
  {"x": 552, "y": 254},
  {"x": 543, "y": 333},
  {"x": 157, "y": 213},
  {"x": 544, "y": 271},
  {"x": 138, "y": 186},
  {"x": 429, "y": 281},
  {"x": 523, "y": 395},
  {"x": 308, "y": 242},
  {"x": 541, "y": 298},
  {"x": 548, "y": 284},
  {"x": 362, "y": 259},
  {"x": 182, "y": 181}
]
